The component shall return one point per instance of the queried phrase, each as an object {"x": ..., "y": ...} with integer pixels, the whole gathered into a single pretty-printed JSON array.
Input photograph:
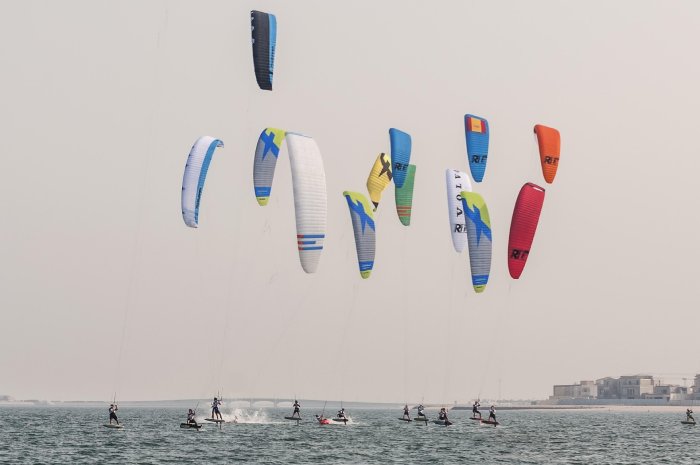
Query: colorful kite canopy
[
  {"x": 364, "y": 228},
  {"x": 549, "y": 143},
  {"x": 400, "y": 155},
  {"x": 379, "y": 177},
  {"x": 195, "y": 174},
  {"x": 308, "y": 183},
  {"x": 404, "y": 197},
  {"x": 479, "y": 238},
  {"x": 476, "y": 130},
  {"x": 266, "y": 153},
  {"x": 523, "y": 226},
  {"x": 310, "y": 202},
  {"x": 456, "y": 182},
  {"x": 264, "y": 34}
]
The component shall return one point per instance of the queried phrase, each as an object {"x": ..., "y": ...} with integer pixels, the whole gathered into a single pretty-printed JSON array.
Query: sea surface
[{"x": 76, "y": 435}]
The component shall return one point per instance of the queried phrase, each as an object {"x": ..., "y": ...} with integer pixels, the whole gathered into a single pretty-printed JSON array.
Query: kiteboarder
[
  {"x": 475, "y": 409},
  {"x": 492, "y": 414},
  {"x": 405, "y": 413},
  {"x": 112, "y": 413},
  {"x": 689, "y": 415},
  {"x": 190, "y": 418},
  {"x": 341, "y": 414},
  {"x": 442, "y": 418},
  {"x": 215, "y": 409},
  {"x": 296, "y": 409},
  {"x": 420, "y": 410}
]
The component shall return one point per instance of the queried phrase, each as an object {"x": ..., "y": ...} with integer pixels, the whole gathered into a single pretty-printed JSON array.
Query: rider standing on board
[
  {"x": 475, "y": 409},
  {"x": 406, "y": 416},
  {"x": 215, "y": 409},
  {"x": 296, "y": 409},
  {"x": 113, "y": 413},
  {"x": 492, "y": 414}
]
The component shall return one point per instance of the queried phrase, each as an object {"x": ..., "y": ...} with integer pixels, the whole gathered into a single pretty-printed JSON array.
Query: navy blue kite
[{"x": 264, "y": 32}]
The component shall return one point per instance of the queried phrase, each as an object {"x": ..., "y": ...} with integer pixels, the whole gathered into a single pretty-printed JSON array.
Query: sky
[{"x": 104, "y": 290}]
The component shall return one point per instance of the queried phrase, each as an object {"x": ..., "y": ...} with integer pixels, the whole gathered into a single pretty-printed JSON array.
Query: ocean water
[{"x": 75, "y": 435}]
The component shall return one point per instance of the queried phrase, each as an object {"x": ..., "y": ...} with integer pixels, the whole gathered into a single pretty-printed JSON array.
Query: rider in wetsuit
[
  {"x": 341, "y": 414},
  {"x": 475, "y": 409},
  {"x": 492, "y": 413},
  {"x": 689, "y": 415},
  {"x": 296, "y": 409},
  {"x": 405, "y": 412},
  {"x": 215, "y": 409},
  {"x": 420, "y": 410},
  {"x": 112, "y": 413},
  {"x": 190, "y": 418}
]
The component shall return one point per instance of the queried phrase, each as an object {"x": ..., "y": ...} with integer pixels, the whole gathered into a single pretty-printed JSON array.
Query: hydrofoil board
[
  {"x": 442, "y": 422},
  {"x": 190, "y": 425}
]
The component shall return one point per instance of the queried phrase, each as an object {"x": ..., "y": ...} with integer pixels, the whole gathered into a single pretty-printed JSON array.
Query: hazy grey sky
[{"x": 101, "y": 102}]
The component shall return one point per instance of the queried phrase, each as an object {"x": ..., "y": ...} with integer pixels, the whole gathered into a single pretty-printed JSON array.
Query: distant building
[
  {"x": 582, "y": 390},
  {"x": 668, "y": 392},
  {"x": 661, "y": 392},
  {"x": 637, "y": 387},
  {"x": 634, "y": 387},
  {"x": 608, "y": 388},
  {"x": 563, "y": 391},
  {"x": 588, "y": 390},
  {"x": 663, "y": 389},
  {"x": 679, "y": 393}
]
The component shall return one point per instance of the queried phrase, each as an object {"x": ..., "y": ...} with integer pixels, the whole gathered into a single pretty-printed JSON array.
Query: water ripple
[{"x": 63, "y": 435}]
